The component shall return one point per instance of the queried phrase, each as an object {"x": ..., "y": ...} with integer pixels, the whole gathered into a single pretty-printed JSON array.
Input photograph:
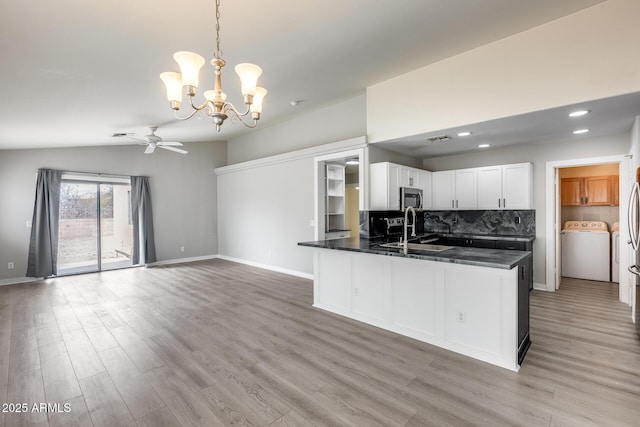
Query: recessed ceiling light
[
  {"x": 484, "y": 146},
  {"x": 354, "y": 161},
  {"x": 579, "y": 131},
  {"x": 465, "y": 133},
  {"x": 579, "y": 113}
]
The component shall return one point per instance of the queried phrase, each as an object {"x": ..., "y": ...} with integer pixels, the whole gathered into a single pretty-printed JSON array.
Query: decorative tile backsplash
[
  {"x": 496, "y": 223},
  {"x": 481, "y": 222}
]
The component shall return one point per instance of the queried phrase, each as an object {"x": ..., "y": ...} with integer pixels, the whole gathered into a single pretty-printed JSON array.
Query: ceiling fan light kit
[{"x": 215, "y": 104}]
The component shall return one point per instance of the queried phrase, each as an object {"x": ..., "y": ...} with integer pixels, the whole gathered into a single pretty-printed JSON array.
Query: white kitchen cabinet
[
  {"x": 466, "y": 194},
  {"x": 444, "y": 190},
  {"x": 505, "y": 187},
  {"x": 490, "y": 187},
  {"x": 454, "y": 189},
  {"x": 409, "y": 177},
  {"x": 385, "y": 180},
  {"x": 424, "y": 183}
]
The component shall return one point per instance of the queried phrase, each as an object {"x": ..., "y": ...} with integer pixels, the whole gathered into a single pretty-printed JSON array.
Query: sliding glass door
[{"x": 95, "y": 230}]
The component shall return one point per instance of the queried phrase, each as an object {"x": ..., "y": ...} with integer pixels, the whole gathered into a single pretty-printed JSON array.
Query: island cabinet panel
[
  {"x": 474, "y": 309},
  {"x": 414, "y": 308},
  {"x": 468, "y": 309},
  {"x": 332, "y": 271},
  {"x": 369, "y": 289}
]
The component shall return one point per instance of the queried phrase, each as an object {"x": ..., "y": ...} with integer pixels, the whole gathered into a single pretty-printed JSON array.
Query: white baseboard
[
  {"x": 268, "y": 267},
  {"x": 17, "y": 280},
  {"x": 539, "y": 286},
  {"x": 180, "y": 260}
]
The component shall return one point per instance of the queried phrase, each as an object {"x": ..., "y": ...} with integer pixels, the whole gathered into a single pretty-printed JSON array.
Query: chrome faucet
[{"x": 406, "y": 225}]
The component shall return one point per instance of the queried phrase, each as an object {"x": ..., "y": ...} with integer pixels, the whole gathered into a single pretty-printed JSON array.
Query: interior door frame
[
  {"x": 320, "y": 190},
  {"x": 553, "y": 226}
]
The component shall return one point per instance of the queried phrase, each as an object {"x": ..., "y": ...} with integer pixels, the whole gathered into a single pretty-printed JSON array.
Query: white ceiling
[{"x": 75, "y": 72}]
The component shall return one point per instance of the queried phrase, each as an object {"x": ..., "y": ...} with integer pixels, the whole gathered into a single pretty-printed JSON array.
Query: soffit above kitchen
[
  {"x": 608, "y": 116},
  {"x": 73, "y": 73}
]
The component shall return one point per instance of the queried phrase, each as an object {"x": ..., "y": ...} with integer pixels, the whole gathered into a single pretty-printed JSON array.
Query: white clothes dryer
[{"x": 585, "y": 250}]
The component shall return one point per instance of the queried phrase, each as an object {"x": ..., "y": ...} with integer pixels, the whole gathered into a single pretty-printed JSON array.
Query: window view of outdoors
[{"x": 79, "y": 245}]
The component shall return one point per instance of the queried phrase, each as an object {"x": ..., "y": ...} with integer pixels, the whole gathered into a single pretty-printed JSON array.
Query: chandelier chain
[
  {"x": 215, "y": 105},
  {"x": 218, "y": 53}
]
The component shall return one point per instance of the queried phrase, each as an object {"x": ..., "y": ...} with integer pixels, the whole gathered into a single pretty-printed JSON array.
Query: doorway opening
[
  {"x": 339, "y": 194},
  {"x": 95, "y": 224},
  {"x": 567, "y": 200}
]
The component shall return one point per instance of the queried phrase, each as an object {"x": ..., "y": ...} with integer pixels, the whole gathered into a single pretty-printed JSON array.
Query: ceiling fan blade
[
  {"x": 171, "y": 143},
  {"x": 177, "y": 150},
  {"x": 150, "y": 149}
]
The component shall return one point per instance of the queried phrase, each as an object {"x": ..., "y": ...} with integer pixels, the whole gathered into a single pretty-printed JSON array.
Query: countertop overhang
[{"x": 492, "y": 258}]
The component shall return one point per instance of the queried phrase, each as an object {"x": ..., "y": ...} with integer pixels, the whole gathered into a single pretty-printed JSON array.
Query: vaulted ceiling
[{"x": 74, "y": 72}]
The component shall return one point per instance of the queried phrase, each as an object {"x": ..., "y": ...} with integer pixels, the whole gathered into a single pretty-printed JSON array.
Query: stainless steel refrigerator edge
[{"x": 634, "y": 241}]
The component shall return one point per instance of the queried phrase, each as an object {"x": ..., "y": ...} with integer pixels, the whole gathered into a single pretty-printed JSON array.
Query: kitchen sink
[{"x": 417, "y": 246}]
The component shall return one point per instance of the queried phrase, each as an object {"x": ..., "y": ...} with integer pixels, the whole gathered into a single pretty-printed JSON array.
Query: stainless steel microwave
[{"x": 410, "y": 196}]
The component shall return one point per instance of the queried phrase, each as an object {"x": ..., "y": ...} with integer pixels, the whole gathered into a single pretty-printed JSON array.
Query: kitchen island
[{"x": 469, "y": 300}]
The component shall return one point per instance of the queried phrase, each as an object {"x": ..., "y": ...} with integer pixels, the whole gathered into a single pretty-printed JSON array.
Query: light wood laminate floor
[{"x": 218, "y": 343}]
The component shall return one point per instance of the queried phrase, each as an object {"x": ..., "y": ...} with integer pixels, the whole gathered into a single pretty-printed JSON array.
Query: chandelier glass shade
[{"x": 215, "y": 104}]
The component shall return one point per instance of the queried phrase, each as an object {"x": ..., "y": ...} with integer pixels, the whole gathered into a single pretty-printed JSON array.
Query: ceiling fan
[{"x": 152, "y": 141}]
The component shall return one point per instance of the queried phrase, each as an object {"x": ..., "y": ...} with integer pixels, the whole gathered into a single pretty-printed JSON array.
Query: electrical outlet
[
  {"x": 181, "y": 248},
  {"x": 461, "y": 317},
  {"x": 28, "y": 224},
  {"x": 356, "y": 292},
  {"x": 517, "y": 220},
  {"x": 10, "y": 266}
]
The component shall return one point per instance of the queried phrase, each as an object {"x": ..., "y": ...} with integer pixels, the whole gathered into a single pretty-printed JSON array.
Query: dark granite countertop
[{"x": 493, "y": 258}]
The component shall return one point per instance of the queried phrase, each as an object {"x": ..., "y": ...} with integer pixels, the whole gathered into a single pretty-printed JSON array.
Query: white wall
[
  {"x": 265, "y": 207},
  {"x": 183, "y": 190},
  {"x": 340, "y": 121},
  {"x": 538, "y": 154},
  {"x": 264, "y": 211},
  {"x": 588, "y": 55}
]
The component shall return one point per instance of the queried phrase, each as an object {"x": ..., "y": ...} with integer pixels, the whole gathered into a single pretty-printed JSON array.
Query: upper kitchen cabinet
[
  {"x": 455, "y": 189},
  {"x": 385, "y": 180},
  {"x": 590, "y": 191},
  {"x": 505, "y": 187}
]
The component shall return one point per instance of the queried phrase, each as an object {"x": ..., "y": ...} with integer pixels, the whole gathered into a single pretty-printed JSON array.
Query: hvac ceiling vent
[{"x": 439, "y": 138}]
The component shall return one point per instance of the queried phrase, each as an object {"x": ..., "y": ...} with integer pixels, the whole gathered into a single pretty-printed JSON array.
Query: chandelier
[{"x": 215, "y": 104}]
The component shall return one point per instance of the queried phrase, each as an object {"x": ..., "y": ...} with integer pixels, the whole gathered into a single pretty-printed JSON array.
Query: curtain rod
[{"x": 106, "y": 175}]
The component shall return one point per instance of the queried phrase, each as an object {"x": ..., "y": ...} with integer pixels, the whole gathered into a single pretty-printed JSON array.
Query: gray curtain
[
  {"x": 43, "y": 245},
  {"x": 144, "y": 249}
]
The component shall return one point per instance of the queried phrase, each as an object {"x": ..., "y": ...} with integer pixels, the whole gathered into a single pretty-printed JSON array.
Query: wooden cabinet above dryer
[{"x": 590, "y": 191}]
